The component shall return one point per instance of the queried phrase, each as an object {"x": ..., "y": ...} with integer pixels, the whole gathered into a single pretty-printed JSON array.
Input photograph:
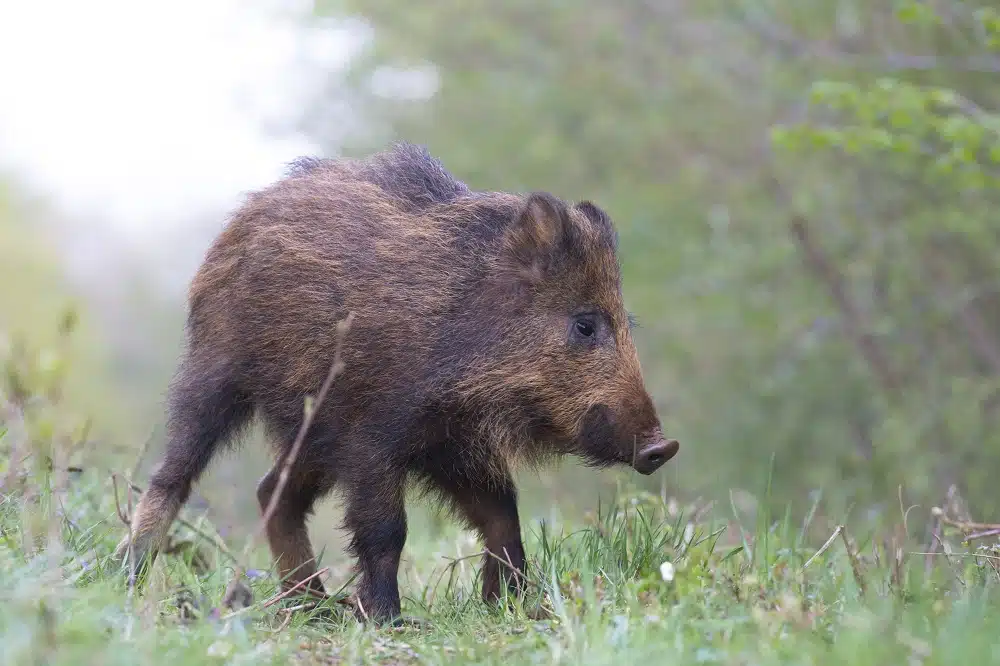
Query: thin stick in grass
[
  {"x": 278, "y": 597},
  {"x": 122, "y": 515},
  {"x": 946, "y": 551},
  {"x": 983, "y": 535},
  {"x": 855, "y": 562},
  {"x": 335, "y": 369},
  {"x": 126, "y": 518},
  {"x": 825, "y": 547}
]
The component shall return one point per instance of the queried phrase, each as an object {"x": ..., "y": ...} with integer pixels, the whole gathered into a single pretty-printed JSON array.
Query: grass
[
  {"x": 644, "y": 580},
  {"x": 63, "y": 601}
]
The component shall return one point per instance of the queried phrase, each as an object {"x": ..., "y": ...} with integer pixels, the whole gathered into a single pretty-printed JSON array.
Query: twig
[
  {"x": 988, "y": 557},
  {"x": 947, "y": 557},
  {"x": 454, "y": 561},
  {"x": 292, "y": 609},
  {"x": 855, "y": 564},
  {"x": 122, "y": 516},
  {"x": 286, "y": 621},
  {"x": 980, "y": 338},
  {"x": 817, "y": 261},
  {"x": 854, "y": 320},
  {"x": 510, "y": 565},
  {"x": 932, "y": 546},
  {"x": 275, "y": 599},
  {"x": 896, "y": 572},
  {"x": 967, "y": 526},
  {"x": 361, "y": 607},
  {"x": 450, "y": 567},
  {"x": 335, "y": 369},
  {"x": 982, "y": 535},
  {"x": 825, "y": 546},
  {"x": 904, "y": 510},
  {"x": 784, "y": 40},
  {"x": 971, "y": 530}
]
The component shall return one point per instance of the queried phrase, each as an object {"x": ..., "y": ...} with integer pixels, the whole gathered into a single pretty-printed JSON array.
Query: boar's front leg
[
  {"x": 376, "y": 516},
  {"x": 489, "y": 505}
]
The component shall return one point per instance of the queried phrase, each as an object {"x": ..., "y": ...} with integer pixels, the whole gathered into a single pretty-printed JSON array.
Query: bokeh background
[{"x": 806, "y": 192}]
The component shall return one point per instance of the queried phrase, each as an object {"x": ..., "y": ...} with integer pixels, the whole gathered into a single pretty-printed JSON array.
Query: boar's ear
[
  {"x": 601, "y": 222},
  {"x": 594, "y": 213},
  {"x": 542, "y": 227}
]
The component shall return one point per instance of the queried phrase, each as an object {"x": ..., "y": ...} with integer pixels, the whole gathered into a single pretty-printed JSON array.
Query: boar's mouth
[
  {"x": 597, "y": 436},
  {"x": 602, "y": 446}
]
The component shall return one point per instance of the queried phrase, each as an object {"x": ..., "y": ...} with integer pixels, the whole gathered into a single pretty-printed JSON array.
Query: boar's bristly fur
[{"x": 488, "y": 331}]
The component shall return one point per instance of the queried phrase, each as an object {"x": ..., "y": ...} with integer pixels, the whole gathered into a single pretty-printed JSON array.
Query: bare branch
[
  {"x": 824, "y": 547},
  {"x": 790, "y": 45},
  {"x": 335, "y": 369},
  {"x": 856, "y": 326},
  {"x": 983, "y": 343},
  {"x": 852, "y": 555},
  {"x": 275, "y": 599}
]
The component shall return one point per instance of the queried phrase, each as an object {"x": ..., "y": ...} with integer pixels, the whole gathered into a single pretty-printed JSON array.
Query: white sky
[{"x": 141, "y": 115}]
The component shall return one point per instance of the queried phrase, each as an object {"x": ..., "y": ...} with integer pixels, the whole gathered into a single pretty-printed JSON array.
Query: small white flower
[{"x": 667, "y": 571}]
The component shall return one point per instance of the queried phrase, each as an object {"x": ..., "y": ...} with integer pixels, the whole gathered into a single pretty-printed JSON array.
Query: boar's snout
[
  {"x": 606, "y": 441},
  {"x": 655, "y": 451}
]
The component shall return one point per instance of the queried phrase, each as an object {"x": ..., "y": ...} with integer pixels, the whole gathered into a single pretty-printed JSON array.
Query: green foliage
[
  {"x": 39, "y": 306},
  {"x": 934, "y": 152},
  {"x": 806, "y": 196},
  {"x": 914, "y": 131}
]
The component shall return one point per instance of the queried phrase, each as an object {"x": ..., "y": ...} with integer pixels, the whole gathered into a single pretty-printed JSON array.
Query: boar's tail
[{"x": 205, "y": 407}]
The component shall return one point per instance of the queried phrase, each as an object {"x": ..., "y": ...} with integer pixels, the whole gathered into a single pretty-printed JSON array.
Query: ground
[{"x": 642, "y": 580}]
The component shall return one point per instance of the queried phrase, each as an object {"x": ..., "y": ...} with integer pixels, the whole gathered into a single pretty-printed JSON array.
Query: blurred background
[{"x": 805, "y": 191}]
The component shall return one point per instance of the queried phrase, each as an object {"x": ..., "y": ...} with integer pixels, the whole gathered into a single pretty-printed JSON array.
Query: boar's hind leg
[
  {"x": 376, "y": 516},
  {"x": 204, "y": 407},
  {"x": 286, "y": 531},
  {"x": 491, "y": 508}
]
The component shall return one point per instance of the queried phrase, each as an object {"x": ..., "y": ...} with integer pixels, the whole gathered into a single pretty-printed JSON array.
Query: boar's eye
[{"x": 584, "y": 329}]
